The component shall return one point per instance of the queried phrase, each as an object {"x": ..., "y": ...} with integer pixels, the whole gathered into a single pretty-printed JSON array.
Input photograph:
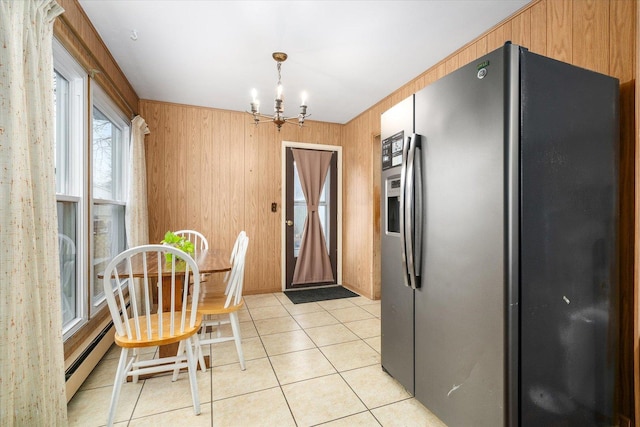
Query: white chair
[
  {"x": 227, "y": 304},
  {"x": 151, "y": 324},
  {"x": 200, "y": 242},
  {"x": 211, "y": 321},
  {"x": 242, "y": 235}
]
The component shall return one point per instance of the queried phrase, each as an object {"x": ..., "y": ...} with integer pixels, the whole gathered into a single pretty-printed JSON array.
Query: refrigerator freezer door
[
  {"x": 569, "y": 274},
  {"x": 460, "y": 307},
  {"x": 396, "y": 298}
]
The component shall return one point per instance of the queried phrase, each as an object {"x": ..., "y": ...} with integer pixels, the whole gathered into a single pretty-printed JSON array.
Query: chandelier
[{"x": 278, "y": 110}]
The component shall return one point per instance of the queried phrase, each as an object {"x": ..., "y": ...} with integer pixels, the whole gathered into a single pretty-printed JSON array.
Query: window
[
  {"x": 109, "y": 145},
  {"x": 300, "y": 210},
  {"x": 91, "y": 147},
  {"x": 69, "y": 83}
]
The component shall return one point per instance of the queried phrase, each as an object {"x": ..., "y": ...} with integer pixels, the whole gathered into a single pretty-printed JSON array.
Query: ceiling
[{"x": 346, "y": 55}]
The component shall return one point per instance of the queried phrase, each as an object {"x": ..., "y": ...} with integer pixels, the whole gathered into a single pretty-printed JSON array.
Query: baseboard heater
[
  {"x": 87, "y": 351},
  {"x": 78, "y": 371}
]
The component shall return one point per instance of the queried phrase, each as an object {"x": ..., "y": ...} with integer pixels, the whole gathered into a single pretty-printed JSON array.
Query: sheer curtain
[
  {"x": 313, "y": 264},
  {"x": 136, "y": 215},
  {"x": 32, "y": 384}
]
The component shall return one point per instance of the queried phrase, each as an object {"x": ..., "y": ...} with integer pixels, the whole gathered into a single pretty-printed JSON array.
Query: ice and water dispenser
[
  {"x": 391, "y": 164},
  {"x": 393, "y": 205}
]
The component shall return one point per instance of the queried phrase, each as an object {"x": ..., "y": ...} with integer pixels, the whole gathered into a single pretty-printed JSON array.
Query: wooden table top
[{"x": 208, "y": 261}]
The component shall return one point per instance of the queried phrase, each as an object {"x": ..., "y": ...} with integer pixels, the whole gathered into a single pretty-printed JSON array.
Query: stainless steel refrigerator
[{"x": 499, "y": 218}]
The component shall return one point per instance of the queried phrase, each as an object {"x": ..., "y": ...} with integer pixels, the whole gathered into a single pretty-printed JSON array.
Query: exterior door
[{"x": 296, "y": 216}]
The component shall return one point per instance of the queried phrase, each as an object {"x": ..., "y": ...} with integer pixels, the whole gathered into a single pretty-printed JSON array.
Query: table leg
[{"x": 170, "y": 350}]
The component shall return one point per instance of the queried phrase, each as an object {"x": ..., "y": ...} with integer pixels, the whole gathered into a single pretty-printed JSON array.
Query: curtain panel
[
  {"x": 136, "y": 217},
  {"x": 136, "y": 213},
  {"x": 313, "y": 264},
  {"x": 32, "y": 383}
]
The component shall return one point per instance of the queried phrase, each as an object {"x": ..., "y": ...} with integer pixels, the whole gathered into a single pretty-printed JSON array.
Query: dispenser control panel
[
  {"x": 392, "y": 151},
  {"x": 392, "y": 191}
]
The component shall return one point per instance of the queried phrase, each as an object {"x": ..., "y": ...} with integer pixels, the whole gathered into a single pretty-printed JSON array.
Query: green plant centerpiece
[{"x": 180, "y": 242}]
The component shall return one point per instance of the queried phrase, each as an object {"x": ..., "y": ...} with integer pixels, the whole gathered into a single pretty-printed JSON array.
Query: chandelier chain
[{"x": 279, "y": 76}]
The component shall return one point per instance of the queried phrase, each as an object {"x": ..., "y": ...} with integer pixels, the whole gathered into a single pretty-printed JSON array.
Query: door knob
[{"x": 289, "y": 222}]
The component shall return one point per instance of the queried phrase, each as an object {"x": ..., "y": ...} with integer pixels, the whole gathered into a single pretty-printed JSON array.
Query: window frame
[
  {"x": 74, "y": 183},
  {"x": 100, "y": 100},
  {"x": 74, "y": 189}
]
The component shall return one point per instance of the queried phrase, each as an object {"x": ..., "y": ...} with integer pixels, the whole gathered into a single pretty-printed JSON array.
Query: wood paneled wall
[
  {"x": 216, "y": 172},
  {"x": 601, "y": 35}
]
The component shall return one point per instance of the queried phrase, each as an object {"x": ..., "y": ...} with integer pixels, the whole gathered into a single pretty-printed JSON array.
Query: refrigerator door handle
[
  {"x": 417, "y": 210},
  {"x": 403, "y": 195},
  {"x": 409, "y": 212}
]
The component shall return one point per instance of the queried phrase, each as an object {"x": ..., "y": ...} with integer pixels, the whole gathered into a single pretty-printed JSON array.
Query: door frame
[
  {"x": 376, "y": 174},
  {"x": 283, "y": 232}
]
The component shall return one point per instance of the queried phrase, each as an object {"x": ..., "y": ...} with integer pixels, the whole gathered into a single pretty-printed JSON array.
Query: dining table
[{"x": 208, "y": 261}]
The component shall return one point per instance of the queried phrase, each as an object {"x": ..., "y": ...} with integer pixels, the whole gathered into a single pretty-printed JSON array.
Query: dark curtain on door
[{"x": 313, "y": 264}]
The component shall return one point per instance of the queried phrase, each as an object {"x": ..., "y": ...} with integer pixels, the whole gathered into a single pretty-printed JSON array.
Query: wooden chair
[
  {"x": 200, "y": 242},
  {"x": 151, "y": 324},
  {"x": 227, "y": 304}
]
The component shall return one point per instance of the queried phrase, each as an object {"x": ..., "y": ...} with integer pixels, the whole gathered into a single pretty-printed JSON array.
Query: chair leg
[
  {"x": 213, "y": 321},
  {"x": 203, "y": 328},
  {"x": 199, "y": 354},
  {"x": 218, "y": 326},
  {"x": 192, "y": 368},
  {"x": 136, "y": 357},
  {"x": 180, "y": 352},
  {"x": 120, "y": 378},
  {"x": 235, "y": 326}
]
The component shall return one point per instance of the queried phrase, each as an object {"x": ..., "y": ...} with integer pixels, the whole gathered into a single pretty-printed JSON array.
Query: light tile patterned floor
[{"x": 307, "y": 364}]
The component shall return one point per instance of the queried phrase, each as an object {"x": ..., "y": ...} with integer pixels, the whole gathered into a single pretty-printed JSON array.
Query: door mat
[{"x": 319, "y": 294}]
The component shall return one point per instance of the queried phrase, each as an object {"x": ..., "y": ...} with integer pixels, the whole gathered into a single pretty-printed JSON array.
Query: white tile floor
[{"x": 307, "y": 364}]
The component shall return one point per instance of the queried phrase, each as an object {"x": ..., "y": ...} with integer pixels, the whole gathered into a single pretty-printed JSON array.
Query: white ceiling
[{"x": 347, "y": 55}]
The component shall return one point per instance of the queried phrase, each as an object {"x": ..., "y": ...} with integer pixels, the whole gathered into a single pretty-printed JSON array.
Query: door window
[{"x": 300, "y": 211}]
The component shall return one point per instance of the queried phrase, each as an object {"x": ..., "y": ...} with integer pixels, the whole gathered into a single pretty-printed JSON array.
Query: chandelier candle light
[{"x": 278, "y": 110}]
